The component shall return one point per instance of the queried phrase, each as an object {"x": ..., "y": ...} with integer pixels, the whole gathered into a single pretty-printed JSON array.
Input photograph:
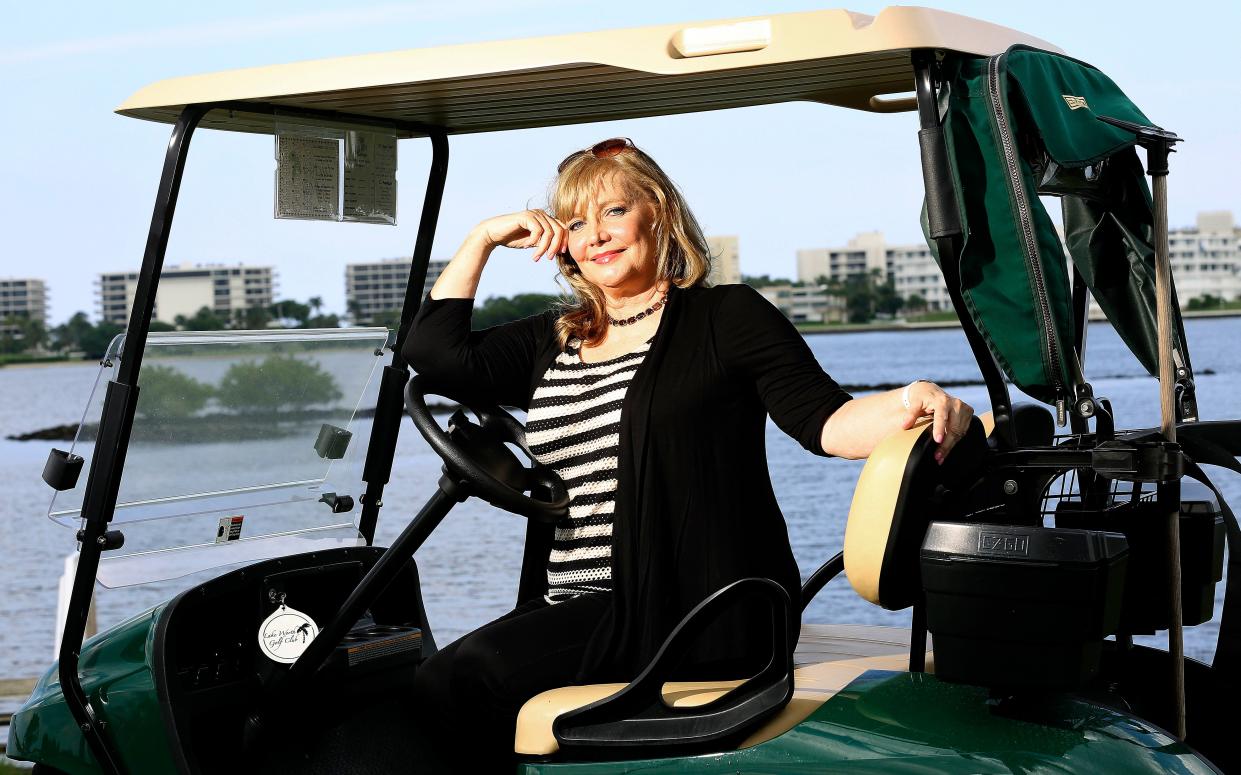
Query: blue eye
[
  {"x": 617, "y": 210},
  {"x": 574, "y": 225}
]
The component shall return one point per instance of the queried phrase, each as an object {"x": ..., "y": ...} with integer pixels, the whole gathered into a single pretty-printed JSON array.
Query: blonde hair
[{"x": 683, "y": 260}]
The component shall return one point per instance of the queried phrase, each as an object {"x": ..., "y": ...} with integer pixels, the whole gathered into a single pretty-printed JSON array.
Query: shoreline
[
  {"x": 804, "y": 329},
  {"x": 854, "y": 328}
]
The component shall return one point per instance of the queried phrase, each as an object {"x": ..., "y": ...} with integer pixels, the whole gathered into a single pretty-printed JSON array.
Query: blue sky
[{"x": 81, "y": 181}]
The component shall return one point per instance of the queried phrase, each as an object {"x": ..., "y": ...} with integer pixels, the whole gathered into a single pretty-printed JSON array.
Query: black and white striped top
[{"x": 573, "y": 427}]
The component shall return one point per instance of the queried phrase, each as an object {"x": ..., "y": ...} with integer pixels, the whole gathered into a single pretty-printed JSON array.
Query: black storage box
[
  {"x": 1021, "y": 608},
  {"x": 1144, "y": 524}
]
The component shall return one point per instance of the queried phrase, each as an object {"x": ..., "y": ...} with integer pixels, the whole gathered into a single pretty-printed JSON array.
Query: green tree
[
  {"x": 502, "y": 309},
  {"x": 251, "y": 318},
  {"x": 1205, "y": 301},
  {"x": 323, "y": 321},
  {"x": 95, "y": 343},
  {"x": 78, "y": 333},
  {"x": 159, "y": 325},
  {"x": 22, "y": 333},
  {"x": 390, "y": 319},
  {"x": 887, "y": 300},
  {"x": 289, "y": 310},
  {"x": 915, "y": 303},
  {"x": 10, "y": 339},
  {"x": 859, "y": 298},
  {"x": 203, "y": 320},
  {"x": 764, "y": 281},
  {"x": 168, "y": 393},
  {"x": 278, "y": 383},
  {"x": 69, "y": 335}
]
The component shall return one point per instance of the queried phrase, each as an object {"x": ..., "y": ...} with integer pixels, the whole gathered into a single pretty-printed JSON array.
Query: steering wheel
[{"x": 476, "y": 454}]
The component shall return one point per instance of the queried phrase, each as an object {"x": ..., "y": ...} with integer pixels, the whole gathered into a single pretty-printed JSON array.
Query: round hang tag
[{"x": 285, "y": 634}]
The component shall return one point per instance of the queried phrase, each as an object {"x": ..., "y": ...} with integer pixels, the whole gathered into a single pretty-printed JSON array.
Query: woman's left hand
[{"x": 950, "y": 416}]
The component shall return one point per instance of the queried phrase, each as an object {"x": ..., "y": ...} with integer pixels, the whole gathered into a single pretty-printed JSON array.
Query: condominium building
[
  {"x": 725, "y": 261},
  {"x": 186, "y": 289},
  {"x": 21, "y": 298},
  {"x": 864, "y": 254},
  {"x": 377, "y": 287},
  {"x": 1206, "y": 258},
  {"x": 806, "y": 303},
  {"x": 916, "y": 275},
  {"x": 911, "y": 268}
]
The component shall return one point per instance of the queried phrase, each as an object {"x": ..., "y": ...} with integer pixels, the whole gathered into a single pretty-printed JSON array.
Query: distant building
[
  {"x": 915, "y": 273},
  {"x": 1206, "y": 258},
  {"x": 376, "y": 287},
  {"x": 22, "y": 298},
  {"x": 864, "y": 253},
  {"x": 806, "y": 303},
  {"x": 911, "y": 268},
  {"x": 185, "y": 289},
  {"x": 725, "y": 261}
]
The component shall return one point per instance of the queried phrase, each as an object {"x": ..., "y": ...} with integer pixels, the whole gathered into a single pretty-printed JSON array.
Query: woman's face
[{"x": 612, "y": 239}]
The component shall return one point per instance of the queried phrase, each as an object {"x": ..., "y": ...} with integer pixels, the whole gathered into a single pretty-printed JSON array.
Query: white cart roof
[{"x": 834, "y": 57}]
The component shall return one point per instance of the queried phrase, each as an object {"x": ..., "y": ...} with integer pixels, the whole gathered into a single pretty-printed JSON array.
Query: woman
[{"x": 648, "y": 394}]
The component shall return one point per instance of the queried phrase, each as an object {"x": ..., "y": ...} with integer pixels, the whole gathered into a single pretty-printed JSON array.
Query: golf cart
[{"x": 1032, "y": 558}]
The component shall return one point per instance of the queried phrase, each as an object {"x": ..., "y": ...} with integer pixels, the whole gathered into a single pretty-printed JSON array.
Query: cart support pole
[
  {"x": 1158, "y": 144},
  {"x": 108, "y": 462},
  {"x": 386, "y": 427},
  {"x": 1157, "y": 160}
]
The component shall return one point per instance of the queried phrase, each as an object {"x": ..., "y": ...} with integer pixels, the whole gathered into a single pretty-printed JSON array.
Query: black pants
[{"x": 472, "y": 689}]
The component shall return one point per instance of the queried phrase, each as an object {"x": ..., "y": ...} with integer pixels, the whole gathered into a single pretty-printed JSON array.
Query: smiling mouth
[{"x": 605, "y": 258}]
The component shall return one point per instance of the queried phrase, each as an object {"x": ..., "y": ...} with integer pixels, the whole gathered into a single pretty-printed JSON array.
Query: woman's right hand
[{"x": 525, "y": 229}]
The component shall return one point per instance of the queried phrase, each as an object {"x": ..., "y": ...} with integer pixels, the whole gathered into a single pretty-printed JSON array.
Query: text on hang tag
[{"x": 286, "y": 634}]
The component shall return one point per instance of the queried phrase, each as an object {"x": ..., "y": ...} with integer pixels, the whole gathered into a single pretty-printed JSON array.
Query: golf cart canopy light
[{"x": 723, "y": 38}]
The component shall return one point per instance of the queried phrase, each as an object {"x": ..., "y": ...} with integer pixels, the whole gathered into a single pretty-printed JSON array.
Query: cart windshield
[{"x": 242, "y": 440}]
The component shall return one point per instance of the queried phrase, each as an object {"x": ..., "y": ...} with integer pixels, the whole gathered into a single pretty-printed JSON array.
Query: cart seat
[
  {"x": 828, "y": 658},
  {"x": 900, "y": 490}
]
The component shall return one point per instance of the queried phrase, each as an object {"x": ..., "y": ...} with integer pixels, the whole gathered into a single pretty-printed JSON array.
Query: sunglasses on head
[{"x": 604, "y": 149}]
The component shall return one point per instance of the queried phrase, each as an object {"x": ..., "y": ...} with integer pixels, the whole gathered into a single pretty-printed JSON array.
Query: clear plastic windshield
[{"x": 241, "y": 442}]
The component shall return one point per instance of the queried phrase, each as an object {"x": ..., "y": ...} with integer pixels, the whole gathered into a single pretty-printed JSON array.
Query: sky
[{"x": 81, "y": 180}]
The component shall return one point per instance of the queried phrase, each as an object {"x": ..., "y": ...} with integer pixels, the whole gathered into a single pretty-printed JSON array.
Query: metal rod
[
  {"x": 826, "y": 572},
  {"x": 422, "y": 247},
  {"x": 115, "y": 425},
  {"x": 139, "y": 323},
  {"x": 1167, "y": 426},
  {"x": 917, "y": 638},
  {"x": 386, "y": 425}
]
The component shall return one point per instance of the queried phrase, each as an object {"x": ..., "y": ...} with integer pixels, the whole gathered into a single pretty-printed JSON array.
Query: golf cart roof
[{"x": 834, "y": 57}]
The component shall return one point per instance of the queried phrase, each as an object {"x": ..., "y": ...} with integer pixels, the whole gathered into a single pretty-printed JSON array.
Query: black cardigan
[{"x": 694, "y": 508}]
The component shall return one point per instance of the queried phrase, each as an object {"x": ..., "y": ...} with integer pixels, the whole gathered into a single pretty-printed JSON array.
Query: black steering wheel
[{"x": 477, "y": 455}]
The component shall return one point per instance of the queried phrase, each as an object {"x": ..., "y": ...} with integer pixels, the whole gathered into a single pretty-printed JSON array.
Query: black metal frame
[
  {"x": 121, "y": 397},
  {"x": 386, "y": 426},
  {"x": 108, "y": 462}
]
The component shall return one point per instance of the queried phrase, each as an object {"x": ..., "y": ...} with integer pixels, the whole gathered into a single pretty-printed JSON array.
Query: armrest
[{"x": 638, "y": 717}]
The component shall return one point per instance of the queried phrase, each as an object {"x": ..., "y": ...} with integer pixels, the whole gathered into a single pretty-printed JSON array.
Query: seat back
[{"x": 900, "y": 491}]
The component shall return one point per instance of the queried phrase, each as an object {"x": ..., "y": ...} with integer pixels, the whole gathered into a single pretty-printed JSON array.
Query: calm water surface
[{"x": 469, "y": 565}]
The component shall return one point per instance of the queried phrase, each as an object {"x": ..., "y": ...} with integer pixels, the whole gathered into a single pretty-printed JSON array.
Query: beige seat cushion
[
  {"x": 828, "y": 658},
  {"x": 873, "y": 515}
]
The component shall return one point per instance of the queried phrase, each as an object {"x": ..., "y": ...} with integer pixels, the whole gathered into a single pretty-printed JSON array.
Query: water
[{"x": 469, "y": 565}]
